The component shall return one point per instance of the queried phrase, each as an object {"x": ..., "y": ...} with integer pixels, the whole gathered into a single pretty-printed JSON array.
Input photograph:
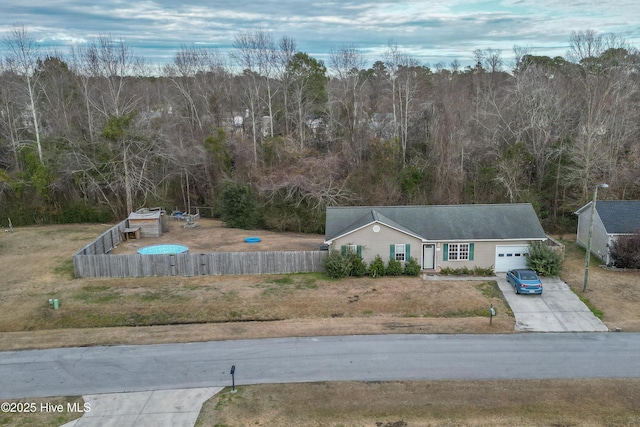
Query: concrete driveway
[
  {"x": 156, "y": 408},
  {"x": 558, "y": 309}
]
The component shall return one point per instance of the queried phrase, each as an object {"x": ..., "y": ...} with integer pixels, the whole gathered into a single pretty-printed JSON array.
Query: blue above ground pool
[
  {"x": 252, "y": 239},
  {"x": 163, "y": 249}
]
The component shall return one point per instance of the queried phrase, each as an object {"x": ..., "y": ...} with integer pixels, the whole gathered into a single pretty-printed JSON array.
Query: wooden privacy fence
[
  {"x": 106, "y": 242},
  {"x": 195, "y": 264}
]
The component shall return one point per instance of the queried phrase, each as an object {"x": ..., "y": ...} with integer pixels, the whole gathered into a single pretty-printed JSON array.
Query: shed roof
[
  {"x": 146, "y": 215},
  {"x": 450, "y": 222}
]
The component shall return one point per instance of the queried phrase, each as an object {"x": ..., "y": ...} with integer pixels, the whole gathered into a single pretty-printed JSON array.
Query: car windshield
[{"x": 528, "y": 275}]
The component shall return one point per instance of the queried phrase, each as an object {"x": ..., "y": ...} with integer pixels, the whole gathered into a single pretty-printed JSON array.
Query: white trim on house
[
  {"x": 482, "y": 240},
  {"x": 432, "y": 264},
  {"x": 329, "y": 242}
]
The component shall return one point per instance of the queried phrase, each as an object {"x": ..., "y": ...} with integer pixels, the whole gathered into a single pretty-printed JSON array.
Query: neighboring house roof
[
  {"x": 618, "y": 216},
  {"x": 452, "y": 222}
]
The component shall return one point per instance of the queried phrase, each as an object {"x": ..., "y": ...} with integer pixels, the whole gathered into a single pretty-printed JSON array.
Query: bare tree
[
  {"x": 22, "y": 60},
  {"x": 584, "y": 44},
  {"x": 256, "y": 52},
  {"x": 12, "y": 126},
  {"x": 455, "y": 66},
  {"x": 199, "y": 79},
  {"x": 345, "y": 96},
  {"x": 519, "y": 52},
  {"x": 492, "y": 60},
  {"x": 286, "y": 52},
  {"x": 606, "y": 130},
  {"x": 307, "y": 84},
  {"x": 405, "y": 74}
]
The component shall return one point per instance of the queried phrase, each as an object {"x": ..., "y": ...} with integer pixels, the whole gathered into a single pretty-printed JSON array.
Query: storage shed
[{"x": 149, "y": 223}]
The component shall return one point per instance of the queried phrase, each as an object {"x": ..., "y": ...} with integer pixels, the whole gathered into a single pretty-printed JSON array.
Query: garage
[{"x": 510, "y": 257}]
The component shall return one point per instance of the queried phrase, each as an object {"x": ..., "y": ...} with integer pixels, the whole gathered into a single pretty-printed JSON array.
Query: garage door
[{"x": 510, "y": 257}]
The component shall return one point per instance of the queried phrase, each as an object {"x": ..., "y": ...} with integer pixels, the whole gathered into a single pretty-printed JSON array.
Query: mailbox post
[
  {"x": 233, "y": 378},
  {"x": 492, "y": 312}
]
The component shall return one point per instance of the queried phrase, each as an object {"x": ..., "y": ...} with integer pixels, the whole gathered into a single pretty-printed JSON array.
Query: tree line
[{"x": 95, "y": 133}]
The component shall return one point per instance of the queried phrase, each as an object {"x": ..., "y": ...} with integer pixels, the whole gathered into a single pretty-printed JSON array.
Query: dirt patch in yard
[{"x": 212, "y": 236}]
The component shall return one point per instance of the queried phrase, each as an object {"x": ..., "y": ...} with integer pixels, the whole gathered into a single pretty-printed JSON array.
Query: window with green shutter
[
  {"x": 351, "y": 249},
  {"x": 398, "y": 252},
  {"x": 458, "y": 252}
]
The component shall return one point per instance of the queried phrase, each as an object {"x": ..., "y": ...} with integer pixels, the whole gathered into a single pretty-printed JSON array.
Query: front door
[{"x": 428, "y": 255}]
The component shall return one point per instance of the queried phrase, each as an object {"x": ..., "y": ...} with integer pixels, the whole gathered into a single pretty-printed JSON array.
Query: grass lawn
[
  {"x": 34, "y": 412},
  {"x": 558, "y": 403},
  {"x": 36, "y": 265}
]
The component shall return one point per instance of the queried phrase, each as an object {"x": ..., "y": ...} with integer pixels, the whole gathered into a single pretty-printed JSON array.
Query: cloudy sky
[{"x": 431, "y": 31}]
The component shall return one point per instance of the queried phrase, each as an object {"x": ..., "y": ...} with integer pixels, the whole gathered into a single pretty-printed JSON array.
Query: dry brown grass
[
  {"x": 42, "y": 418},
  {"x": 429, "y": 403},
  {"x": 615, "y": 293},
  {"x": 37, "y": 264},
  {"x": 212, "y": 236}
]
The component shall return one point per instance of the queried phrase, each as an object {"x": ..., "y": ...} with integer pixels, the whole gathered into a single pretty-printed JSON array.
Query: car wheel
[{"x": 515, "y": 288}]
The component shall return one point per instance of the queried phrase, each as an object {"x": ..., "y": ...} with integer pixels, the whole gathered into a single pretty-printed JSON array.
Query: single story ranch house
[{"x": 454, "y": 236}]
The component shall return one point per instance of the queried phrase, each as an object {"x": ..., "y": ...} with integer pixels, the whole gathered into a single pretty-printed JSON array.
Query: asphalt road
[{"x": 93, "y": 370}]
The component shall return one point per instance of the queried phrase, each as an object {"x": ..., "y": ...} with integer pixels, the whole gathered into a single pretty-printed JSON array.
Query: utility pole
[{"x": 588, "y": 257}]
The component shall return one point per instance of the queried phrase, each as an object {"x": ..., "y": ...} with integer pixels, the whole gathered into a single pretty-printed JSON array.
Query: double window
[{"x": 458, "y": 251}]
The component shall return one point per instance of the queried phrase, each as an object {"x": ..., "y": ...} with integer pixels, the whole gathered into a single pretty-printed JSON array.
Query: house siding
[
  {"x": 484, "y": 255},
  {"x": 600, "y": 238},
  {"x": 378, "y": 243}
]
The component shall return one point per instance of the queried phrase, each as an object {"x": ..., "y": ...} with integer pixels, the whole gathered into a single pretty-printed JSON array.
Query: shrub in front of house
[
  {"x": 412, "y": 268},
  {"x": 483, "y": 272},
  {"x": 377, "y": 268},
  {"x": 394, "y": 267},
  {"x": 337, "y": 265},
  {"x": 543, "y": 259},
  {"x": 625, "y": 251},
  {"x": 462, "y": 271},
  {"x": 358, "y": 266}
]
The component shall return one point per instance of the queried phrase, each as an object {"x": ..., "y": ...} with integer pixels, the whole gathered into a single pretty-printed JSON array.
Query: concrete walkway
[{"x": 159, "y": 408}]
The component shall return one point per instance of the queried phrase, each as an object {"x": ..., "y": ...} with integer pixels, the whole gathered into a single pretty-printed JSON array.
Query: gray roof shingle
[
  {"x": 619, "y": 216},
  {"x": 451, "y": 222}
]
